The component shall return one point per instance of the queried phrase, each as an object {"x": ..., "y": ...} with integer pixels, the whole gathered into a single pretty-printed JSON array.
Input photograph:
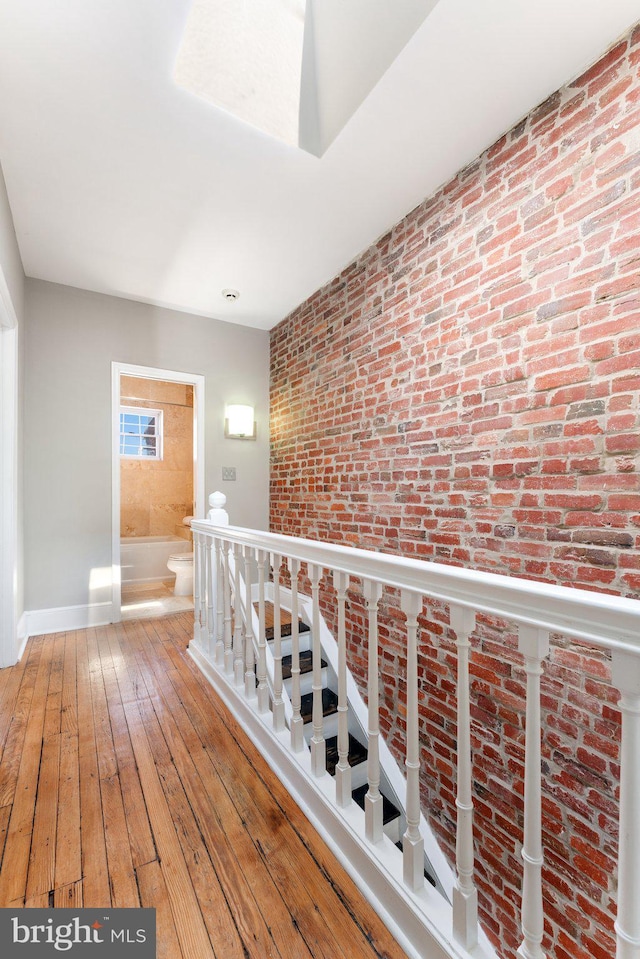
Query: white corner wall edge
[
  {"x": 420, "y": 939},
  {"x": 22, "y": 636},
  {"x": 60, "y": 619}
]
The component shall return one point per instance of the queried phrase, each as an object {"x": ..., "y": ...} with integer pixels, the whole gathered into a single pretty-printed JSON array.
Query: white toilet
[{"x": 182, "y": 565}]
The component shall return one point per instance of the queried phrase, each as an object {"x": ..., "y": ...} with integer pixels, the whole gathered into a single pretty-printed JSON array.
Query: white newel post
[
  {"x": 373, "y": 825},
  {"x": 465, "y": 894},
  {"x": 278, "y": 701},
  {"x": 626, "y": 677},
  {"x": 412, "y": 841},
  {"x": 318, "y": 746},
  {"x": 343, "y": 769},
  {"x": 533, "y": 643}
]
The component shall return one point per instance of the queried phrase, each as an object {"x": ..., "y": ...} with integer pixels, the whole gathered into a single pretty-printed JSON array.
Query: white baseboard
[
  {"x": 63, "y": 618},
  {"x": 169, "y": 579}
]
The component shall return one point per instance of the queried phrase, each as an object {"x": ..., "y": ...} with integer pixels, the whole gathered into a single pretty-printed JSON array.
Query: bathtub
[{"x": 143, "y": 559}]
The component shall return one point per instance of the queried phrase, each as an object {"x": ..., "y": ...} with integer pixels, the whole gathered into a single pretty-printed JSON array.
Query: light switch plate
[{"x": 228, "y": 472}]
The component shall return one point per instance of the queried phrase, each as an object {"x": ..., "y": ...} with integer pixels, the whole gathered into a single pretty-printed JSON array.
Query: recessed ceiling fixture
[
  {"x": 296, "y": 69},
  {"x": 231, "y": 295}
]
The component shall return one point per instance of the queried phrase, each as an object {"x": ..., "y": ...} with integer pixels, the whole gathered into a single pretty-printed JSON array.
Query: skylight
[
  {"x": 246, "y": 57},
  {"x": 295, "y": 69}
]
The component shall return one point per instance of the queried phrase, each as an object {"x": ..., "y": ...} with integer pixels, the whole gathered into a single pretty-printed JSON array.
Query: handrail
[
  {"x": 598, "y": 618},
  {"x": 538, "y": 609}
]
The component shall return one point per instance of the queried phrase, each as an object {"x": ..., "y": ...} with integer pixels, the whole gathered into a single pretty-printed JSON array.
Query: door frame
[
  {"x": 171, "y": 376},
  {"x": 8, "y": 478}
]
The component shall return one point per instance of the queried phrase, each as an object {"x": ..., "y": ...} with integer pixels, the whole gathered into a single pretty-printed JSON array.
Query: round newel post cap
[{"x": 217, "y": 513}]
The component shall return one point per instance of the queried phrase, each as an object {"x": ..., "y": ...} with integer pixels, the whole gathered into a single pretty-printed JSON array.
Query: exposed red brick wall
[{"x": 467, "y": 391}]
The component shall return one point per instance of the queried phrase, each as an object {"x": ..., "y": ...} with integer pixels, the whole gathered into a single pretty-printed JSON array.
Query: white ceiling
[{"x": 121, "y": 182}]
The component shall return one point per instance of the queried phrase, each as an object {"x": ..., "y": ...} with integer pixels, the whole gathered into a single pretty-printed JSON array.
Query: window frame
[{"x": 158, "y": 435}]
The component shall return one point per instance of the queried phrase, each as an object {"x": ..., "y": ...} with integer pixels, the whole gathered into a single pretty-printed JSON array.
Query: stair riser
[
  {"x": 392, "y": 830},
  {"x": 287, "y": 644},
  {"x": 329, "y": 727},
  {"x": 306, "y": 683},
  {"x": 358, "y": 775}
]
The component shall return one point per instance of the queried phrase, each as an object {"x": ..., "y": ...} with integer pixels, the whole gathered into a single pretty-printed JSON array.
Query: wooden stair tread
[
  {"x": 357, "y": 753},
  {"x": 389, "y": 810},
  {"x": 329, "y": 704},
  {"x": 306, "y": 663}
]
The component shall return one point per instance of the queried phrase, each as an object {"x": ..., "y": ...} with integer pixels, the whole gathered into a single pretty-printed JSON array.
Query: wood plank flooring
[{"x": 124, "y": 781}]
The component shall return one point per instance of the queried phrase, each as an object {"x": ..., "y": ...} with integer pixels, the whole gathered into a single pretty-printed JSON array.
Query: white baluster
[
  {"x": 278, "y": 702},
  {"x": 210, "y": 581},
  {"x": 533, "y": 643},
  {"x": 263, "y": 689},
  {"x": 465, "y": 894},
  {"x": 318, "y": 746},
  {"x": 373, "y": 800},
  {"x": 197, "y": 560},
  {"x": 249, "y": 652},
  {"x": 626, "y": 678},
  {"x": 238, "y": 658},
  {"x": 297, "y": 724},
  {"x": 228, "y": 619},
  {"x": 412, "y": 841},
  {"x": 219, "y": 603},
  {"x": 343, "y": 769}
]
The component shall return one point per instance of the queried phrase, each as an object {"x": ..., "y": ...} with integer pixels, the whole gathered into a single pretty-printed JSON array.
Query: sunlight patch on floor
[{"x": 158, "y": 599}]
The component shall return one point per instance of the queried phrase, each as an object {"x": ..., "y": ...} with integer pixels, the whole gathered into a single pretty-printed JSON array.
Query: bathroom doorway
[{"x": 158, "y": 483}]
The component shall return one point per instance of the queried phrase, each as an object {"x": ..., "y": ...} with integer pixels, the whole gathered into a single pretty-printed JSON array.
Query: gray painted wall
[{"x": 72, "y": 336}]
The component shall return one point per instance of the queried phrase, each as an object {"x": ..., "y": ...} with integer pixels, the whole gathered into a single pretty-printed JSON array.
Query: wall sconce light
[{"x": 239, "y": 423}]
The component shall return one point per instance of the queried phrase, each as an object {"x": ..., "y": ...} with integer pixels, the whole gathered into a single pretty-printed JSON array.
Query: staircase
[
  {"x": 293, "y": 694},
  {"x": 280, "y": 641},
  {"x": 392, "y": 816}
]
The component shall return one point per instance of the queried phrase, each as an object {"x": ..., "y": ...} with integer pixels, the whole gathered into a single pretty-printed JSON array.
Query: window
[{"x": 140, "y": 433}]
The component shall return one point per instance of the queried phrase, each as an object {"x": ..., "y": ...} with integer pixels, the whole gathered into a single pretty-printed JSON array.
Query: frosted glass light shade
[{"x": 239, "y": 423}]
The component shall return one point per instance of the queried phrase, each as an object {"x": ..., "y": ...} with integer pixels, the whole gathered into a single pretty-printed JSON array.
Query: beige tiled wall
[{"x": 156, "y": 495}]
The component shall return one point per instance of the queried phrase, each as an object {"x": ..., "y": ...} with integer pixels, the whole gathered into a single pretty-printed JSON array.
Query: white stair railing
[{"x": 538, "y": 609}]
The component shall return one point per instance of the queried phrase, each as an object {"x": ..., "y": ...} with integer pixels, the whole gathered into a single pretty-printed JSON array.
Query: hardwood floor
[{"x": 125, "y": 782}]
